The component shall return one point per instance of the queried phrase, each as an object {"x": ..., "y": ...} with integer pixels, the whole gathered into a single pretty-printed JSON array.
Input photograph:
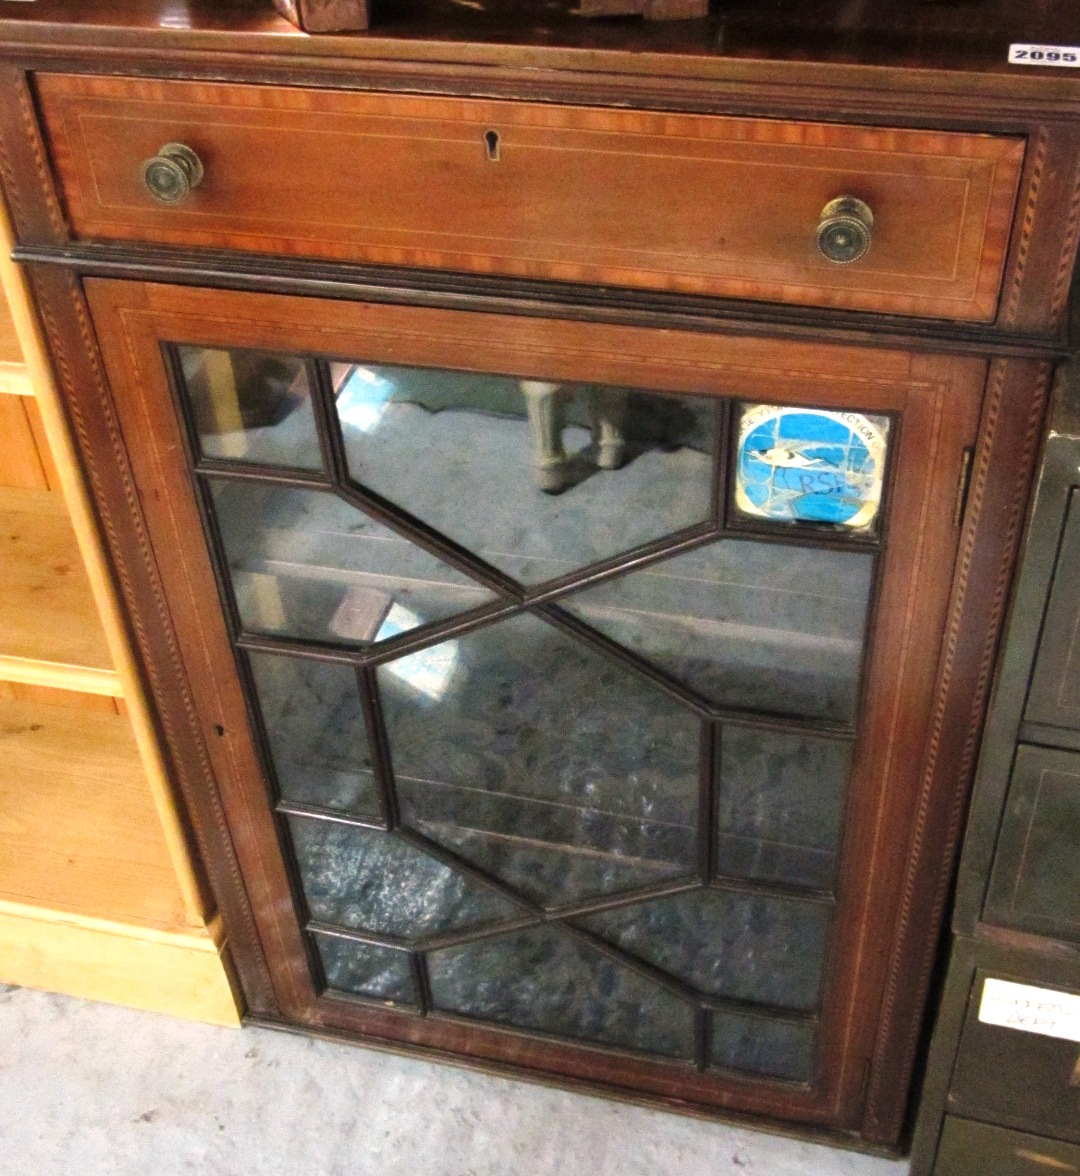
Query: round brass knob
[
  {"x": 172, "y": 173},
  {"x": 843, "y": 233}
]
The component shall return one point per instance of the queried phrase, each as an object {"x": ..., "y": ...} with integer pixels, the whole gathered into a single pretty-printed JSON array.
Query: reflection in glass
[
  {"x": 542, "y": 979},
  {"x": 547, "y": 764},
  {"x": 780, "y": 799},
  {"x": 315, "y": 729},
  {"x": 544, "y": 764},
  {"x": 757, "y": 1045},
  {"x": 536, "y": 478},
  {"x": 305, "y": 564},
  {"x": 249, "y": 406},
  {"x": 810, "y": 465},
  {"x": 747, "y": 946},
  {"x": 373, "y": 881},
  {"x": 365, "y": 970},
  {"x": 760, "y": 626}
]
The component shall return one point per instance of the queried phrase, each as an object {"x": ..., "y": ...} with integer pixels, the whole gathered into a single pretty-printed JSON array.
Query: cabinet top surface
[{"x": 955, "y": 43}]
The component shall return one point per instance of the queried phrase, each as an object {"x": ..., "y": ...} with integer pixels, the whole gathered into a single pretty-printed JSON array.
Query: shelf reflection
[
  {"x": 251, "y": 407},
  {"x": 305, "y": 564}
]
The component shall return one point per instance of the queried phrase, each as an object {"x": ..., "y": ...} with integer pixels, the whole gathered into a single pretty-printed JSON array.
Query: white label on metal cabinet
[
  {"x": 1066, "y": 56},
  {"x": 1032, "y": 1010}
]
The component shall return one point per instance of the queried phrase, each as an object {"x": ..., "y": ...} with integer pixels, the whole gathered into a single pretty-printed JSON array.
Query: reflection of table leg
[
  {"x": 546, "y": 420},
  {"x": 218, "y": 409},
  {"x": 608, "y": 409},
  {"x": 259, "y": 599}
]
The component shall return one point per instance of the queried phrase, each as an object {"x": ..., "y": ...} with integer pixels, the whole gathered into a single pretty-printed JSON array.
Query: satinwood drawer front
[{"x": 681, "y": 202}]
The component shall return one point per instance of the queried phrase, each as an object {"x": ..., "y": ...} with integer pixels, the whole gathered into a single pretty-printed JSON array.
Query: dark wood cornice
[
  {"x": 814, "y": 58},
  {"x": 494, "y": 294}
]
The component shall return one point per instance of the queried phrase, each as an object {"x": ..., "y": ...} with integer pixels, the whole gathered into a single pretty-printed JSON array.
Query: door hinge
[{"x": 963, "y": 485}]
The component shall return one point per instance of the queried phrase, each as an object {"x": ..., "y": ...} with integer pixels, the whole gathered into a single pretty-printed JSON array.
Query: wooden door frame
[{"x": 957, "y": 681}]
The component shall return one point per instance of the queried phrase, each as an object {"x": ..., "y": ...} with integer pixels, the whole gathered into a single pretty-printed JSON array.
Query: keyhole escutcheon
[{"x": 491, "y": 143}]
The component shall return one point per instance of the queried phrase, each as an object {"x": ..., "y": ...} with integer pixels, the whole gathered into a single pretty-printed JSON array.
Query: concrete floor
[{"x": 104, "y": 1091}]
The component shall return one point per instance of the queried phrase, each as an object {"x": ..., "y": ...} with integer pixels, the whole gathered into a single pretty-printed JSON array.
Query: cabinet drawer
[
  {"x": 1015, "y": 1077},
  {"x": 976, "y": 1149},
  {"x": 1035, "y": 883},
  {"x": 1055, "y": 685},
  {"x": 691, "y": 203}
]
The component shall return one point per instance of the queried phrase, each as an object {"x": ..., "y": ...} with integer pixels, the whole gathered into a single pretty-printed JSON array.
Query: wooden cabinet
[
  {"x": 1016, "y": 916},
  {"x": 98, "y": 897},
  {"x": 565, "y": 491}
]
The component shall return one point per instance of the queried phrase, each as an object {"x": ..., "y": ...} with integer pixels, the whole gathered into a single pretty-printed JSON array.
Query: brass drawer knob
[
  {"x": 172, "y": 173},
  {"x": 843, "y": 233}
]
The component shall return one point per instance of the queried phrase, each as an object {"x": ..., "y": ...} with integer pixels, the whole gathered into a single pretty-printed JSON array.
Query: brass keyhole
[{"x": 491, "y": 142}]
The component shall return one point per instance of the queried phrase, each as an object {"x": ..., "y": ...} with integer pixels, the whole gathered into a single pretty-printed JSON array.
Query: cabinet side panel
[
  {"x": 1027, "y": 612},
  {"x": 24, "y": 167},
  {"x": 92, "y": 417},
  {"x": 1012, "y": 418},
  {"x": 1047, "y": 228}
]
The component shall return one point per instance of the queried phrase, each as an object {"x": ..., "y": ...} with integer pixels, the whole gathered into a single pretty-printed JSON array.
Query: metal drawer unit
[{"x": 967, "y": 1146}]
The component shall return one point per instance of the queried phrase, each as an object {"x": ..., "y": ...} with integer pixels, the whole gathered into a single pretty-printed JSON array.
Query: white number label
[
  {"x": 1067, "y": 56},
  {"x": 1032, "y": 1010}
]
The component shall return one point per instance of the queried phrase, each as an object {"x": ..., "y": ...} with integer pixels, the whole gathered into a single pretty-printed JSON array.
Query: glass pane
[
  {"x": 305, "y": 564},
  {"x": 546, "y": 763},
  {"x": 762, "y": 626},
  {"x": 365, "y": 970},
  {"x": 374, "y": 881},
  {"x": 536, "y": 478},
  {"x": 543, "y": 979},
  {"x": 747, "y": 946},
  {"x": 315, "y": 728},
  {"x": 777, "y": 1049},
  {"x": 249, "y": 406},
  {"x": 779, "y": 805},
  {"x": 810, "y": 465}
]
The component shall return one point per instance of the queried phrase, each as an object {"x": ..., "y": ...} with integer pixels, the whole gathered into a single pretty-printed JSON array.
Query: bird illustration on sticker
[
  {"x": 810, "y": 465},
  {"x": 790, "y": 459}
]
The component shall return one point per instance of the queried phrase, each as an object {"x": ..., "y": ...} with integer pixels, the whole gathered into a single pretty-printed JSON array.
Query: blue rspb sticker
[{"x": 810, "y": 465}]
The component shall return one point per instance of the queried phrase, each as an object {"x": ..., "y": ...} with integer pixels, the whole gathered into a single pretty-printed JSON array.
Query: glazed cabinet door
[{"x": 566, "y": 687}]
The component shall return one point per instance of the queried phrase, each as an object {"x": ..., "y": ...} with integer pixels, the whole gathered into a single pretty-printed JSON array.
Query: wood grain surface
[
  {"x": 48, "y": 611},
  {"x": 687, "y": 203},
  {"x": 78, "y": 829}
]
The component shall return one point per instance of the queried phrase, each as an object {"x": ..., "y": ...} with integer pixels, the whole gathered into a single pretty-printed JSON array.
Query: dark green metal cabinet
[
  {"x": 1035, "y": 879},
  {"x": 1003, "y": 1099},
  {"x": 1054, "y": 700},
  {"x": 968, "y": 1146}
]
